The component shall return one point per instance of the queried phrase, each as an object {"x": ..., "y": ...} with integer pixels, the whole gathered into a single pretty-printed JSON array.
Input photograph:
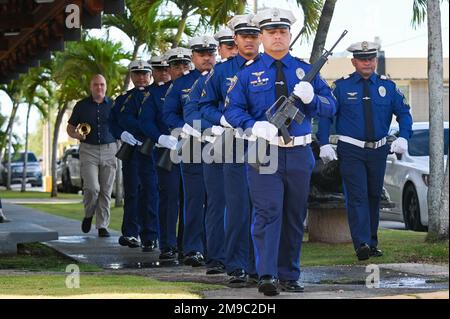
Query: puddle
[
  {"x": 142, "y": 265},
  {"x": 72, "y": 239}
]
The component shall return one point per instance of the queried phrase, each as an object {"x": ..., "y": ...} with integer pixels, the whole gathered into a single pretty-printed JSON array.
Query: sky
[{"x": 390, "y": 20}]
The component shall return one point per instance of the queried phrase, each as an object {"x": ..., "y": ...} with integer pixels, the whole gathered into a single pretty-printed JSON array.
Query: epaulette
[
  {"x": 249, "y": 62},
  {"x": 384, "y": 77},
  {"x": 226, "y": 60},
  {"x": 345, "y": 77}
]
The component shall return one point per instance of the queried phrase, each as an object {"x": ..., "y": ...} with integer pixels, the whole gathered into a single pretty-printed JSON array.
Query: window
[{"x": 418, "y": 144}]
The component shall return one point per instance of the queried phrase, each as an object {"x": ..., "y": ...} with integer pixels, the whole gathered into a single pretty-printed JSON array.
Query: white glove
[
  {"x": 399, "y": 146},
  {"x": 128, "y": 138},
  {"x": 327, "y": 153},
  {"x": 224, "y": 122},
  {"x": 217, "y": 130},
  {"x": 189, "y": 130},
  {"x": 264, "y": 130},
  {"x": 304, "y": 91},
  {"x": 168, "y": 141}
]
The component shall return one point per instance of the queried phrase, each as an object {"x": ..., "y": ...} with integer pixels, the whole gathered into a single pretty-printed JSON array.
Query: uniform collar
[
  {"x": 372, "y": 78},
  {"x": 286, "y": 60},
  {"x": 240, "y": 60}
]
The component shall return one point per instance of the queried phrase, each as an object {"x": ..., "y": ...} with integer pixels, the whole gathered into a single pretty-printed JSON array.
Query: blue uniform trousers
[
  {"x": 362, "y": 173},
  {"x": 215, "y": 211},
  {"x": 169, "y": 192},
  {"x": 280, "y": 204},
  {"x": 148, "y": 198},
  {"x": 237, "y": 219},
  {"x": 131, "y": 207},
  {"x": 194, "y": 207}
]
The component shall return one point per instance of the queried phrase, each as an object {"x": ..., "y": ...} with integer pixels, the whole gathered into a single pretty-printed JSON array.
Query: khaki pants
[{"x": 98, "y": 170}]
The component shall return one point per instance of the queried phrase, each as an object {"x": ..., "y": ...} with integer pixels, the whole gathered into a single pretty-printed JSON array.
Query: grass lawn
[
  {"x": 38, "y": 257},
  {"x": 76, "y": 211},
  {"x": 399, "y": 246},
  {"x": 36, "y": 195},
  {"x": 99, "y": 286}
]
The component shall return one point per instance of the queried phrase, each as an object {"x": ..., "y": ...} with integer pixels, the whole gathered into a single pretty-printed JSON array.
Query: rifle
[{"x": 286, "y": 110}]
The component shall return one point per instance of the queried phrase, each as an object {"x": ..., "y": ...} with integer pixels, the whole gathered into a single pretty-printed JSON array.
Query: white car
[{"x": 406, "y": 179}]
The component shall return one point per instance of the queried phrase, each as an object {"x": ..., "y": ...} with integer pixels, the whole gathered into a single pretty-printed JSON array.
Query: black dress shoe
[
  {"x": 168, "y": 254},
  {"x": 149, "y": 246},
  {"x": 194, "y": 259},
  {"x": 375, "y": 252},
  {"x": 291, "y": 286},
  {"x": 268, "y": 285},
  {"x": 103, "y": 232},
  {"x": 363, "y": 252},
  {"x": 86, "y": 224},
  {"x": 238, "y": 279},
  {"x": 215, "y": 268},
  {"x": 131, "y": 242}
]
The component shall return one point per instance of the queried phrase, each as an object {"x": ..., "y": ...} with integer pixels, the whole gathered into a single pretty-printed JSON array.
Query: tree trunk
[
  {"x": 58, "y": 121},
  {"x": 435, "y": 96},
  {"x": 25, "y": 160},
  {"x": 181, "y": 26},
  {"x": 322, "y": 30},
  {"x": 9, "y": 129},
  {"x": 443, "y": 219}
]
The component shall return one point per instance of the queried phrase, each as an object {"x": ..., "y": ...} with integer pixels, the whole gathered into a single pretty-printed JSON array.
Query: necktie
[
  {"x": 281, "y": 83},
  {"x": 368, "y": 118}
]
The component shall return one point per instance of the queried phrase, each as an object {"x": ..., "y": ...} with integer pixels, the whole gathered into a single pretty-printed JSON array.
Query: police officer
[
  {"x": 168, "y": 181},
  {"x": 366, "y": 102},
  {"x": 279, "y": 199},
  {"x": 179, "y": 60},
  {"x": 192, "y": 173},
  {"x": 212, "y": 172},
  {"x": 146, "y": 180},
  {"x": 227, "y": 47},
  {"x": 238, "y": 251},
  {"x": 140, "y": 76}
]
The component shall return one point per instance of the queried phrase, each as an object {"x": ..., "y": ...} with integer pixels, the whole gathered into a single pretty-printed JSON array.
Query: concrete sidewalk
[{"x": 320, "y": 282}]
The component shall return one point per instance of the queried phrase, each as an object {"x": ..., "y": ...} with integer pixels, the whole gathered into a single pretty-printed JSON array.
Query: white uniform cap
[
  {"x": 243, "y": 24},
  {"x": 224, "y": 36},
  {"x": 203, "y": 43},
  {"x": 178, "y": 54},
  {"x": 158, "y": 61},
  {"x": 139, "y": 65},
  {"x": 364, "y": 49},
  {"x": 274, "y": 18}
]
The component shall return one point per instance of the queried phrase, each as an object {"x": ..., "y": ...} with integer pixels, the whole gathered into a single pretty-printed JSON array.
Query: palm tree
[
  {"x": 36, "y": 93},
  {"x": 322, "y": 30},
  {"x": 143, "y": 30}
]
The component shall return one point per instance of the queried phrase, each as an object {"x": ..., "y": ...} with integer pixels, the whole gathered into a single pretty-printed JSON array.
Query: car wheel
[
  {"x": 411, "y": 209},
  {"x": 67, "y": 183}
]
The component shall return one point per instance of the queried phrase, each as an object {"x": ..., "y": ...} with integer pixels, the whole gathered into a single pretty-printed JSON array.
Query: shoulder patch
[{"x": 233, "y": 82}]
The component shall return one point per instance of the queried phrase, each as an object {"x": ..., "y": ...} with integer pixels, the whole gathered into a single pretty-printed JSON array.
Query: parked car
[
  {"x": 68, "y": 171},
  {"x": 406, "y": 179},
  {"x": 34, "y": 170}
]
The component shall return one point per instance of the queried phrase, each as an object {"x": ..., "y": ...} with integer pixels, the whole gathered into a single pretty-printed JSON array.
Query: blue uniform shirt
[
  {"x": 386, "y": 100},
  {"x": 128, "y": 117},
  {"x": 191, "y": 110},
  {"x": 253, "y": 92},
  {"x": 114, "y": 126},
  {"x": 216, "y": 88},
  {"x": 176, "y": 98},
  {"x": 150, "y": 115},
  {"x": 97, "y": 116}
]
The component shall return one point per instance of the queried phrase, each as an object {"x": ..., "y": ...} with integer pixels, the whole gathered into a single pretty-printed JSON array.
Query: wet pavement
[{"x": 320, "y": 282}]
